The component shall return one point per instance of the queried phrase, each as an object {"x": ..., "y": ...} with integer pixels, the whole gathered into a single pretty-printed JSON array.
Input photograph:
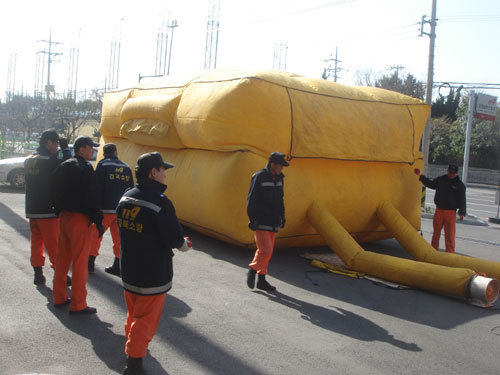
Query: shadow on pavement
[
  {"x": 418, "y": 306},
  {"x": 107, "y": 345},
  {"x": 340, "y": 321},
  {"x": 187, "y": 340},
  {"x": 16, "y": 222}
]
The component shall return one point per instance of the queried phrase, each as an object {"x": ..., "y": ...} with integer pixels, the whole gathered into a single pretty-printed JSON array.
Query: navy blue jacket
[
  {"x": 114, "y": 178},
  {"x": 38, "y": 174},
  {"x": 265, "y": 203},
  {"x": 149, "y": 229},
  {"x": 450, "y": 192},
  {"x": 76, "y": 188}
]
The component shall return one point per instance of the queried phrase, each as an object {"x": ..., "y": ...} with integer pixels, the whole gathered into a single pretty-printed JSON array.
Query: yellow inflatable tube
[
  {"x": 421, "y": 250},
  {"x": 446, "y": 280}
]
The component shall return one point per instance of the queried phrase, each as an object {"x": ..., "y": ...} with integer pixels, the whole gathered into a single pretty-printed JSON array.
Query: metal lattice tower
[
  {"x": 11, "y": 76},
  {"x": 111, "y": 80},
  {"x": 74, "y": 56},
  {"x": 212, "y": 39},
  {"x": 280, "y": 56},
  {"x": 161, "y": 49}
]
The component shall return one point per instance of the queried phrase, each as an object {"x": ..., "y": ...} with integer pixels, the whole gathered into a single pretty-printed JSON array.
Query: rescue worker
[
  {"x": 149, "y": 229},
  {"x": 114, "y": 177},
  {"x": 76, "y": 189},
  {"x": 449, "y": 196},
  {"x": 40, "y": 210},
  {"x": 266, "y": 211}
]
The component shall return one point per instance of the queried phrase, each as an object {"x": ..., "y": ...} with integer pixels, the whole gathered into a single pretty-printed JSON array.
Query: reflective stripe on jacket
[
  {"x": 149, "y": 229},
  {"x": 114, "y": 178},
  {"x": 265, "y": 203},
  {"x": 38, "y": 174}
]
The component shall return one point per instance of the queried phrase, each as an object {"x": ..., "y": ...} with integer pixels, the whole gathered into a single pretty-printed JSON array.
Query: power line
[{"x": 318, "y": 7}]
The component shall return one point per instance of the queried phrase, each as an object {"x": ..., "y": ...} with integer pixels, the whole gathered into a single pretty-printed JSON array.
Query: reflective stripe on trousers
[
  {"x": 265, "y": 245},
  {"x": 446, "y": 218},
  {"x": 74, "y": 247},
  {"x": 143, "y": 318},
  {"x": 44, "y": 232},
  {"x": 108, "y": 221}
]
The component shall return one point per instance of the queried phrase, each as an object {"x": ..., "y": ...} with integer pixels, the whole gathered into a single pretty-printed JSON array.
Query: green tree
[
  {"x": 447, "y": 106},
  {"x": 408, "y": 85}
]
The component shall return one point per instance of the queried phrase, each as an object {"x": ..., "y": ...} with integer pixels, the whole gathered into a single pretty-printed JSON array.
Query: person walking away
[
  {"x": 75, "y": 198},
  {"x": 114, "y": 177},
  {"x": 266, "y": 212},
  {"x": 40, "y": 210},
  {"x": 449, "y": 196}
]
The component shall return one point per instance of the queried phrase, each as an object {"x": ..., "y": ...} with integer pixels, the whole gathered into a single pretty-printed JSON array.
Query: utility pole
[
  {"x": 397, "y": 68},
  {"x": 328, "y": 66},
  {"x": 426, "y": 138},
  {"x": 48, "y": 87},
  {"x": 74, "y": 56},
  {"x": 172, "y": 26},
  {"x": 468, "y": 133},
  {"x": 161, "y": 49}
]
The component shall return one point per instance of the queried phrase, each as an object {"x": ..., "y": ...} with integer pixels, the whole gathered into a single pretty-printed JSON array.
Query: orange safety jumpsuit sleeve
[
  {"x": 74, "y": 247},
  {"x": 143, "y": 318},
  {"x": 265, "y": 244},
  {"x": 44, "y": 232}
]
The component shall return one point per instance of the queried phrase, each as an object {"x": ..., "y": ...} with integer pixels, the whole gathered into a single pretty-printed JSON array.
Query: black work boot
[
  {"x": 114, "y": 269},
  {"x": 251, "y": 278},
  {"x": 264, "y": 285},
  {"x": 91, "y": 264},
  {"x": 39, "y": 278},
  {"x": 134, "y": 367}
]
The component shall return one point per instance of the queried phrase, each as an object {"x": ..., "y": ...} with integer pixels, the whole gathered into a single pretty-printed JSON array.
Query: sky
[{"x": 370, "y": 36}]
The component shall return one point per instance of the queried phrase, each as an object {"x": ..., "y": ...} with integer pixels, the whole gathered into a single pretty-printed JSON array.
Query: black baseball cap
[
  {"x": 84, "y": 141},
  {"x": 453, "y": 168},
  {"x": 278, "y": 158},
  {"x": 49, "y": 134},
  {"x": 109, "y": 148},
  {"x": 148, "y": 161}
]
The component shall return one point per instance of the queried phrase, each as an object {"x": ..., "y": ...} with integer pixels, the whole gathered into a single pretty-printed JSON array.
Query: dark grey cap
[
  {"x": 148, "y": 161},
  {"x": 453, "y": 168},
  {"x": 84, "y": 141},
  {"x": 278, "y": 158}
]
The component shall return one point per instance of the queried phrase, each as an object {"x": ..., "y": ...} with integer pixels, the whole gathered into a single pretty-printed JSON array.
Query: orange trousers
[
  {"x": 143, "y": 318},
  {"x": 265, "y": 245},
  {"x": 74, "y": 247},
  {"x": 44, "y": 232},
  {"x": 108, "y": 221},
  {"x": 446, "y": 218}
]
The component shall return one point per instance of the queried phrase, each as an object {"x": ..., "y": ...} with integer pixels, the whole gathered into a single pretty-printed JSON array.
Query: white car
[{"x": 12, "y": 169}]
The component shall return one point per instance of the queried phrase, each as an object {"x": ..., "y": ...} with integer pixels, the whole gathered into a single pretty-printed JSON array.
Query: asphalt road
[
  {"x": 480, "y": 201},
  {"x": 213, "y": 324}
]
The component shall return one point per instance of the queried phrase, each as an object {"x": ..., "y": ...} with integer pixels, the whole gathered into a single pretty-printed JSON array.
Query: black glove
[
  {"x": 253, "y": 225},
  {"x": 63, "y": 143},
  {"x": 283, "y": 221}
]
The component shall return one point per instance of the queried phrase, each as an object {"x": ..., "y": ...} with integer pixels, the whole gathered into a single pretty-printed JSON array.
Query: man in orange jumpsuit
[
  {"x": 450, "y": 196},
  {"x": 149, "y": 229},
  {"x": 76, "y": 189},
  {"x": 40, "y": 210},
  {"x": 266, "y": 211},
  {"x": 114, "y": 177}
]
